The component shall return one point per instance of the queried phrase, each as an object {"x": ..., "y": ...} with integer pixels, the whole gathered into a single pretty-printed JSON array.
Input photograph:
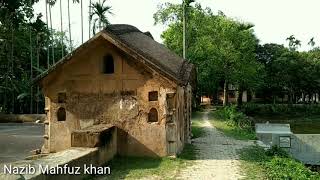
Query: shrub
[
  {"x": 276, "y": 109},
  {"x": 287, "y": 168},
  {"x": 274, "y": 164},
  {"x": 277, "y": 151},
  {"x": 234, "y": 117}
]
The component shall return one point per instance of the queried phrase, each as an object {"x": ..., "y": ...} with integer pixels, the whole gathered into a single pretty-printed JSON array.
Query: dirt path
[{"x": 217, "y": 157}]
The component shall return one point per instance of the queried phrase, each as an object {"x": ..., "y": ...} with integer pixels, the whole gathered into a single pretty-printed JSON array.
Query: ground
[
  {"x": 217, "y": 156},
  {"x": 18, "y": 139}
]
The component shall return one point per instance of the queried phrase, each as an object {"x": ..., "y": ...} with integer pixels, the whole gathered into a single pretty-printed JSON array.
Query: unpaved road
[{"x": 217, "y": 157}]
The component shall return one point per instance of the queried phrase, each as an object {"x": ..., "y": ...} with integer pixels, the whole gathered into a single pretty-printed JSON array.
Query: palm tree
[
  {"x": 98, "y": 15},
  {"x": 47, "y": 21},
  {"x": 89, "y": 19},
  {"x": 312, "y": 43},
  {"x": 81, "y": 22},
  {"x": 51, "y": 3},
  {"x": 69, "y": 21},
  {"x": 61, "y": 29}
]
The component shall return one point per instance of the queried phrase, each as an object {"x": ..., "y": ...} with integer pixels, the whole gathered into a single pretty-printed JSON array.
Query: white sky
[{"x": 274, "y": 20}]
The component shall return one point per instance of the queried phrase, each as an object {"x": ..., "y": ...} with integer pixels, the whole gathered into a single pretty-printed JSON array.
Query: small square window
[
  {"x": 62, "y": 97},
  {"x": 153, "y": 96},
  {"x": 285, "y": 141}
]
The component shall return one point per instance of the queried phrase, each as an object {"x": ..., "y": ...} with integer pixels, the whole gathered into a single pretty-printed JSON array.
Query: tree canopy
[{"x": 223, "y": 49}]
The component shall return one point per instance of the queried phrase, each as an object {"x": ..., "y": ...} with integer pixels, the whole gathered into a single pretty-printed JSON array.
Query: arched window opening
[
  {"x": 153, "y": 115},
  {"x": 61, "y": 114},
  {"x": 108, "y": 64}
]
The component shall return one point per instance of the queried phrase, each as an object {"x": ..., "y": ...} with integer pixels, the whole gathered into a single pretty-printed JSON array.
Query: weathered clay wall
[{"x": 120, "y": 99}]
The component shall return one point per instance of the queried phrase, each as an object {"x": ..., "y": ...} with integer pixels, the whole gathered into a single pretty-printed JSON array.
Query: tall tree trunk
[
  {"x": 225, "y": 93},
  {"x": 48, "y": 51},
  {"x": 184, "y": 30},
  {"x": 61, "y": 29},
  {"x": 70, "y": 39},
  {"x": 89, "y": 19},
  {"x": 81, "y": 21},
  {"x": 31, "y": 71},
  {"x": 239, "y": 98},
  {"x": 7, "y": 78},
  {"x": 12, "y": 72},
  {"x": 38, "y": 59},
  {"x": 51, "y": 31}
]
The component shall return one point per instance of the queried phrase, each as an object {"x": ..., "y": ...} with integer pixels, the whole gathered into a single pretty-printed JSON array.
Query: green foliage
[
  {"x": 277, "y": 151},
  {"x": 288, "y": 72},
  {"x": 273, "y": 164},
  {"x": 278, "y": 109},
  {"x": 26, "y": 44},
  {"x": 99, "y": 15},
  {"x": 287, "y": 168},
  {"x": 234, "y": 117},
  {"x": 223, "y": 49},
  {"x": 233, "y": 123}
]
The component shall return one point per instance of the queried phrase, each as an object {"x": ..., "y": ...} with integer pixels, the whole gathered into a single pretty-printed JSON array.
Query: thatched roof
[{"x": 154, "y": 54}]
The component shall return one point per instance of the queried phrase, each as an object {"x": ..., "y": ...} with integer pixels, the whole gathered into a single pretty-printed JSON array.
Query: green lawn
[
  {"x": 163, "y": 168},
  {"x": 229, "y": 130}
]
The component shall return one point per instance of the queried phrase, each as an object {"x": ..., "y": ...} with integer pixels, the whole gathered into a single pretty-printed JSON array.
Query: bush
[
  {"x": 276, "y": 109},
  {"x": 234, "y": 117},
  {"x": 287, "y": 168},
  {"x": 273, "y": 164},
  {"x": 277, "y": 151}
]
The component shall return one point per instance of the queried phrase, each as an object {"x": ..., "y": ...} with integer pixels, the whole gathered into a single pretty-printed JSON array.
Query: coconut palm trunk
[
  {"x": 51, "y": 32},
  {"x": 81, "y": 20},
  {"x": 38, "y": 58},
  {"x": 48, "y": 51},
  {"x": 61, "y": 29},
  {"x": 89, "y": 19},
  {"x": 31, "y": 70},
  {"x": 70, "y": 38},
  {"x": 12, "y": 72}
]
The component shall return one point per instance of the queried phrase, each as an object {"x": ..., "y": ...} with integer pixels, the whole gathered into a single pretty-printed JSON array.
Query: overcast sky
[{"x": 274, "y": 20}]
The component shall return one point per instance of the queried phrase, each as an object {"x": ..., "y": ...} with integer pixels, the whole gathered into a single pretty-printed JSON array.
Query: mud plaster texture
[{"x": 119, "y": 99}]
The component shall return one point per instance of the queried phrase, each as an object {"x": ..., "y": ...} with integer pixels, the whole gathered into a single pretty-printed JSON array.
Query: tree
[
  {"x": 222, "y": 48},
  {"x": 293, "y": 43},
  {"x": 99, "y": 15},
  {"x": 23, "y": 58},
  {"x": 69, "y": 21},
  {"x": 312, "y": 43},
  {"x": 186, "y": 5}
]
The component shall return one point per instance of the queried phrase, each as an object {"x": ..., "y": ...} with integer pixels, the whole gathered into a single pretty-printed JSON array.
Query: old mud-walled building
[{"x": 120, "y": 83}]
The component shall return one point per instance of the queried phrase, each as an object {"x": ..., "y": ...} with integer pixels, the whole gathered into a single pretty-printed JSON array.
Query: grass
[
  {"x": 196, "y": 127},
  {"x": 140, "y": 167},
  {"x": 147, "y": 167},
  {"x": 162, "y": 168},
  {"x": 257, "y": 163},
  {"x": 252, "y": 159},
  {"x": 229, "y": 130}
]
